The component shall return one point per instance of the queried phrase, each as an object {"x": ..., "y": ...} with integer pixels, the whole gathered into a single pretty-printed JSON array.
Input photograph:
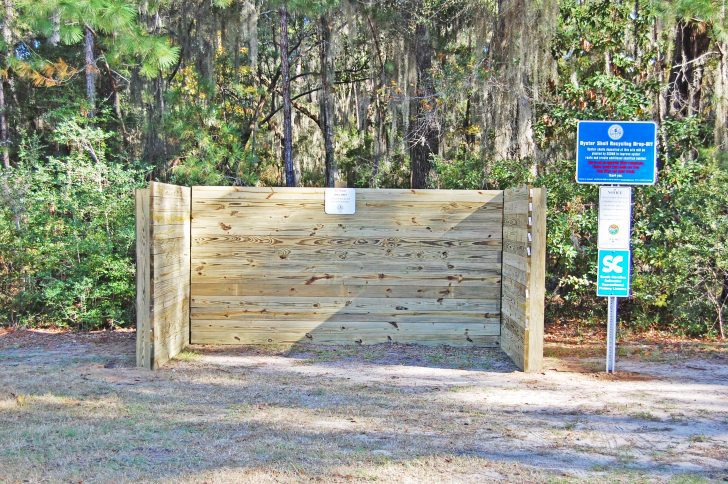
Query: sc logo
[{"x": 612, "y": 264}]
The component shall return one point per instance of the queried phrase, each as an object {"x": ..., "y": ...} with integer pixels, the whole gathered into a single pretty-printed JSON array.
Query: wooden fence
[
  {"x": 267, "y": 265},
  {"x": 163, "y": 273}
]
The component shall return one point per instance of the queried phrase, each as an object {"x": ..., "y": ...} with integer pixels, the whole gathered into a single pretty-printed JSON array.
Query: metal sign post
[
  {"x": 611, "y": 333},
  {"x": 615, "y": 153}
]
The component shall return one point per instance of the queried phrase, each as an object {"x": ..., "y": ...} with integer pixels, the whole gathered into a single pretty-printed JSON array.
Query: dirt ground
[{"x": 74, "y": 408}]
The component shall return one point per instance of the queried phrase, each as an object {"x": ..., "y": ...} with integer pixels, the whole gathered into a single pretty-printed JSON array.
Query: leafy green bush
[{"x": 67, "y": 234}]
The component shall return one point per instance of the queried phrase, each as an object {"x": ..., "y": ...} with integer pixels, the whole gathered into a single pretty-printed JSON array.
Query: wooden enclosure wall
[
  {"x": 163, "y": 272},
  {"x": 524, "y": 271},
  {"x": 420, "y": 266}
]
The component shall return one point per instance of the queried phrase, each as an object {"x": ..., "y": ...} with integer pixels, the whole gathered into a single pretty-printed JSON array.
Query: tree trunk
[
  {"x": 522, "y": 64},
  {"x": 4, "y": 128},
  {"x": 692, "y": 41},
  {"x": 720, "y": 130},
  {"x": 287, "y": 141},
  {"x": 91, "y": 72},
  {"x": 326, "y": 101},
  {"x": 55, "y": 37},
  {"x": 8, "y": 40},
  {"x": 424, "y": 132}
]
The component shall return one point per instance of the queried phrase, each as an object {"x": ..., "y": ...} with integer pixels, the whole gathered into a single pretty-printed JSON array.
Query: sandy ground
[{"x": 73, "y": 408}]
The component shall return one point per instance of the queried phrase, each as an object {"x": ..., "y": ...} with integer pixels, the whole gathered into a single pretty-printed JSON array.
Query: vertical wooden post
[
  {"x": 163, "y": 273},
  {"x": 143, "y": 280},
  {"x": 523, "y": 276}
]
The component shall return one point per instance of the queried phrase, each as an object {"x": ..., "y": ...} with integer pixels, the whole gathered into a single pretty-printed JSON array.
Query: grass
[
  {"x": 380, "y": 414},
  {"x": 645, "y": 415},
  {"x": 187, "y": 355}
]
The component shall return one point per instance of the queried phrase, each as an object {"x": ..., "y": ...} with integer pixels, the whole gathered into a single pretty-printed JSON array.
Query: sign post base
[{"x": 611, "y": 334}]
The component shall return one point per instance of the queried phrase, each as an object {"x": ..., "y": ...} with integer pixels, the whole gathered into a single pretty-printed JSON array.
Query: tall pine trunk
[
  {"x": 287, "y": 105},
  {"x": 720, "y": 131},
  {"x": 8, "y": 40},
  {"x": 4, "y": 138},
  {"x": 91, "y": 71},
  {"x": 424, "y": 133},
  {"x": 326, "y": 101}
]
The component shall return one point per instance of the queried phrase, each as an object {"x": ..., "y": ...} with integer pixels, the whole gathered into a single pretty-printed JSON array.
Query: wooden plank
[
  {"x": 516, "y": 234},
  {"x": 515, "y": 273},
  {"x": 167, "y": 191},
  {"x": 516, "y": 247},
  {"x": 524, "y": 228},
  {"x": 143, "y": 281},
  {"x": 174, "y": 231},
  {"x": 362, "y": 194},
  {"x": 512, "y": 337},
  {"x": 170, "y": 233},
  {"x": 213, "y": 332},
  {"x": 171, "y": 246},
  {"x": 272, "y": 257},
  {"x": 537, "y": 281},
  {"x": 491, "y": 326},
  {"x": 368, "y": 304},
  {"x": 355, "y": 279},
  {"x": 406, "y": 219},
  {"x": 516, "y": 261},
  {"x": 243, "y": 267},
  {"x": 166, "y": 204},
  {"x": 224, "y": 241},
  {"x": 331, "y": 290},
  {"x": 243, "y": 229},
  {"x": 381, "y": 314},
  {"x": 171, "y": 217},
  {"x": 301, "y": 255},
  {"x": 210, "y": 206}
]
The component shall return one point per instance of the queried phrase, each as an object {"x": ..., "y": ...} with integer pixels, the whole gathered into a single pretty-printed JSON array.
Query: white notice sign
[
  {"x": 615, "y": 217},
  {"x": 340, "y": 201}
]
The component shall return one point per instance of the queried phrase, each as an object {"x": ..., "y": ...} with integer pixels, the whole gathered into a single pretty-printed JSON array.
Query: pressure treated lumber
[
  {"x": 250, "y": 265},
  {"x": 409, "y": 265},
  {"x": 163, "y": 272},
  {"x": 524, "y": 268}
]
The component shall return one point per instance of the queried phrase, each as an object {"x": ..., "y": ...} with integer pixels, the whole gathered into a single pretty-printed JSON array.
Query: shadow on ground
[{"x": 73, "y": 407}]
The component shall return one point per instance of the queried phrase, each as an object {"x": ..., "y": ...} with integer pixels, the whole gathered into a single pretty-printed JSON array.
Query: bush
[{"x": 67, "y": 235}]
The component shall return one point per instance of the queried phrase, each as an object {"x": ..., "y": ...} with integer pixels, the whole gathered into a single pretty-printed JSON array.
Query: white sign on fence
[
  {"x": 615, "y": 217},
  {"x": 340, "y": 201}
]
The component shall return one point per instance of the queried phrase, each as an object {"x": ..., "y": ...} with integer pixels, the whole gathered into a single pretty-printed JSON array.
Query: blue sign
[
  {"x": 613, "y": 275},
  {"x": 616, "y": 152}
]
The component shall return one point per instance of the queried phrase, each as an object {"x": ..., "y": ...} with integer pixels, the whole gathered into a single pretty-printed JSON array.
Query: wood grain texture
[
  {"x": 408, "y": 264},
  {"x": 537, "y": 282},
  {"x": 353, "y": 332},
  {"x": 523, "y": 276},
  {"x": 163, "y": 273},
  {"x": 143, "y": 280},
  {"x": 235, "y": 265}
]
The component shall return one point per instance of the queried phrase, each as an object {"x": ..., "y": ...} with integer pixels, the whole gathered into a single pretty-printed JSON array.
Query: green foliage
[
  {"x": 212, "y": 126},
  {"x": 214, "y": 117},
  {"x": 679, "y": 229},
  {"x": 468, "y": 172},
  {"x": 680, "y": 236},
  {"x": 67, "y": 234},
  {"x": 115, "y": 24}
]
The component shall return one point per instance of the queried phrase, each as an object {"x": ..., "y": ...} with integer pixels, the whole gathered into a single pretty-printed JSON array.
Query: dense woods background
[{"x": 98, "y": 96}]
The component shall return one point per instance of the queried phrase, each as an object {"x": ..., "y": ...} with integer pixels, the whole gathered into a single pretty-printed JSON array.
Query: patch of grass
[
  {"x": 644, "y": 415},
  {"x": 688, "y": 479},
  {"x": 21, "y": 400},
  {"x": 461, "y": 388},
  {"x": 187, "y": 355},
  {"x": 699, "y": 438},
  {"x": 571, "y": 425},
  {"x": 436, "y": 359}
]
